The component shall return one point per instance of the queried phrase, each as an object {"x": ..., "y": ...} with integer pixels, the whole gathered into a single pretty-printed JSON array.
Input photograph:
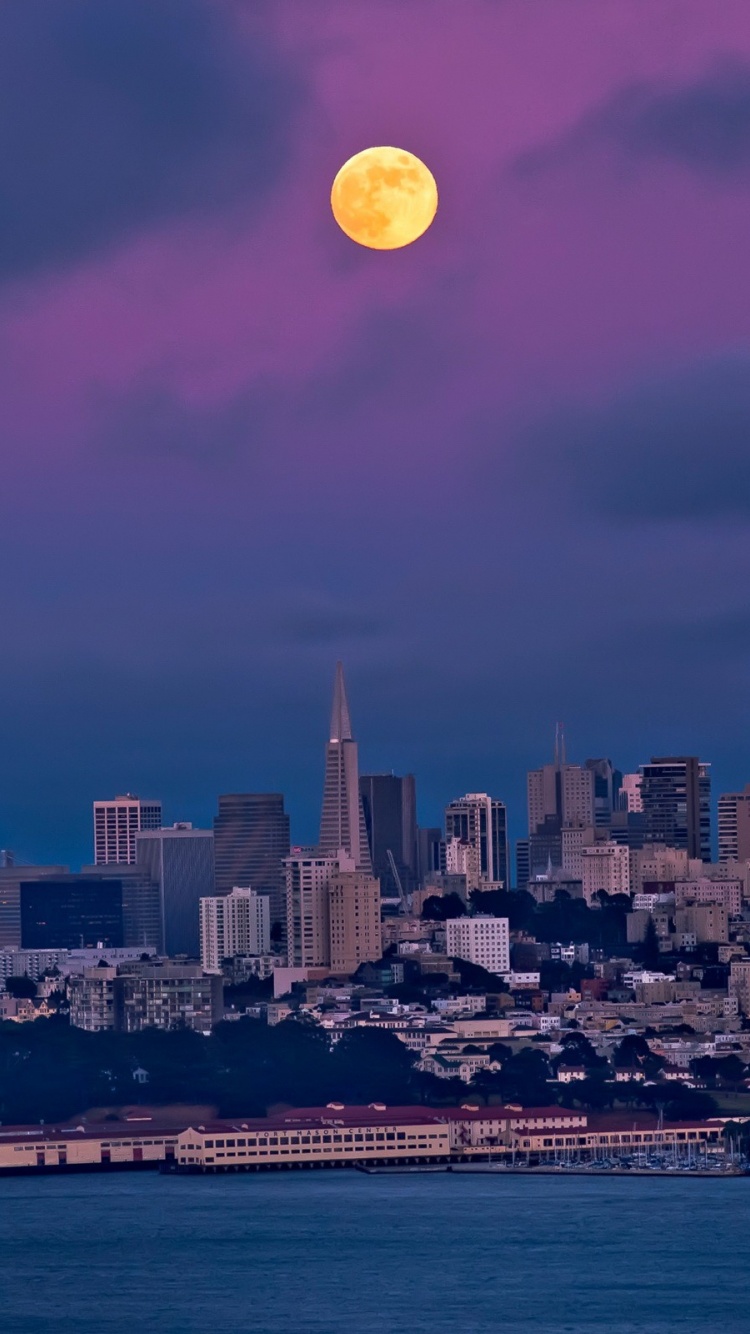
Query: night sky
[{"x": 504, "y": 474}]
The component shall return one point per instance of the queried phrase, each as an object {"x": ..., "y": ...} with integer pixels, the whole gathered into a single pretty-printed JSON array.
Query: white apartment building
[
  {"x": 116, "y": 824},
  {"x": 462, "y": 858},
  {"x": 480, "y": 940},
  {"x": 605, "y": 866},
  {"x": 234, "y": 924}
]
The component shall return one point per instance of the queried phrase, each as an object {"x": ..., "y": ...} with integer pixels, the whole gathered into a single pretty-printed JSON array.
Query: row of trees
[{"x": 565, "y": 919}]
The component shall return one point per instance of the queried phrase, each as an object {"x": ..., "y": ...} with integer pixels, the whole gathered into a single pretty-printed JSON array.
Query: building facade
[
  {"x": 180, "y": 861},
  {"x": 484, "y": 941},
  {"x": 342, "y": 821},
  {"x": 71, "y": 912},
  {"x": 605, "y": 866},
  {"x": 308, "y": 932},
  {"x": 390, "y": 810},
  {"x": 734, "y": 826},
  {"x": 676, "y": 797},
  {"x": 232, "y": 925},
  {"x": 481, "y": 821},
  {"x": 354, "y": 920},
  {"x": 116, "y": 824},
  {"x": 251, "y": 841}
]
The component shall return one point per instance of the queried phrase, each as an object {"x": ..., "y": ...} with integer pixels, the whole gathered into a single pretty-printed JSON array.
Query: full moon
[{"x": 384, "y": 198}]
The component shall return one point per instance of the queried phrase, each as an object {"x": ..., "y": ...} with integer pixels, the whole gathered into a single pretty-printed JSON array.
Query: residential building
[
  {"x": 167, "y": 995},
  {"x": 390, "y": 809},
  {"x": 605, "y": 866},
  {"x": 739, "y": 984},
  {"x": 342, "y": 822},
  {"x": 657, "y": 864},
  {"x": 251, "y": 840},
  {"x": 233, "y": 924},
  {"x": 92, "y": 999},
  {"x": 484, "y": 941},
  {"x": 307, "y": 913},
  {"x": 676, "y": 796},
  {"x": 180, "y": 862},
  {"x": 482, "y": 822},
  {"x": 707, "y": 922},
  {"x": 576, "y": 837},
  {"x": 354, "y": 920},
  {"x": 71, "y": 912},
  {"x": 116, "y": 824},
  {"x": 734, "y": 826},
  {"x": 726, "y": 893},
  {"x": 465, "y": 860}
]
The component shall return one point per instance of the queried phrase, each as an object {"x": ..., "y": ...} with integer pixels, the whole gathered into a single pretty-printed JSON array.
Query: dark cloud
[
  {"x": 704, "y": 125},
  {"x": 675, "y": 448},
  {"x": 150, "y": 420},
  {"x": 118, "y": 113}
]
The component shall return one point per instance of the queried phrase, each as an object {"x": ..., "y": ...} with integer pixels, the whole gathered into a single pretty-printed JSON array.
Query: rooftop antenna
[{"x": 560, "y": 757}]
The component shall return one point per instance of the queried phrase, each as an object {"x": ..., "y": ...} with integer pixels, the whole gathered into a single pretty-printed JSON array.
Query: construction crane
[{"x": 397, "y": 878}]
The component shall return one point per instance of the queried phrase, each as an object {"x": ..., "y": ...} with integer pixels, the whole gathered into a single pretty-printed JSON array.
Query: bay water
[{"x": 344, "y": 1253}]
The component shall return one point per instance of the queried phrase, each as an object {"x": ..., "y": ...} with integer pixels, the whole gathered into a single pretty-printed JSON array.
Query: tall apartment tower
[
  {"x": 116, "y": 824},
  {"x": 342, "y": 823},
  {"x": 481, "y": 821},
  {"x": 390, "y": 810},
  {"x": 630, "y": 794},
  {"x": 308, "y": 931},
  {"x": 180, "y": 861},
  {"x": 251, "y": 841},
  {"x": 354, "y": 920},
  {"x": 734, "y": 826},
  {"x": 234, "y": 924},
  {"x": 676, "y": 796}
]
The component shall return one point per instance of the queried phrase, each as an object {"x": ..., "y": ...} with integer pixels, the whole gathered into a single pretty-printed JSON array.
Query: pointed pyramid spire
[{"x": 341, "y": 723}]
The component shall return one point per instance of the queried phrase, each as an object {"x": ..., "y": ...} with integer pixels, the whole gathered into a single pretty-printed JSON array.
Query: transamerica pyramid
[{"x": 342, "y": 823}]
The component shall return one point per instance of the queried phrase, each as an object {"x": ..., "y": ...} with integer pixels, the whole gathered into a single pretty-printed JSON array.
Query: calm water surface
[{"x": 343, "y": 1253}]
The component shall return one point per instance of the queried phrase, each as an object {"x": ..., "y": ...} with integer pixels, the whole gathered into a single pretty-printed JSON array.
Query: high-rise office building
[
  {"x": 354, "y": 920},
  {"x": 10, "y": 898},
  {"x": 71, "y": 912},
  {"x": 116, "y": 824},
  {"x": 342, "y": 823},
  {"x": 607, "y": 784},
  {"x": 482, "y": 822},
  {"x": 558, "y": 794},
  {"x": 734, "y": 826},
  {"x": 390, "y": 810},
  {"x": 141, "y": 908},
  {"x": 676, "y": 796},
  {"x": 429, "y": 841},
  {"x": 180, "y": 861},
  {"x": 234, "y": 924},
  {"x": 308, "y": 936},
  {"x": 251, "y": 841}
]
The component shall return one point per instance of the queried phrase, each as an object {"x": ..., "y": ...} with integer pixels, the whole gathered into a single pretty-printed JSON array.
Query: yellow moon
[{"x": 384, "y": 198}]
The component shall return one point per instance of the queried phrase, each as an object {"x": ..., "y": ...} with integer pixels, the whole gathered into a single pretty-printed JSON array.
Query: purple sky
[{"x": 504, "y": 473}]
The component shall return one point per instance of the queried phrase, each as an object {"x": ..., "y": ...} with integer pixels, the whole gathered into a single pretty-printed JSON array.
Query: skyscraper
[
  {"x": 342, "y": 823},
  {"x": 676, "y": 796},
  {"x": 734, "y": 826},
  {"x": 180, "y": 861},
  {"x": 607, "y": 784},
  {"x": 481, "y": 821},
  {"x": 390, "y": 809},
  {"x": 558, "y": 794},
  {"x": 251, "y": 841},
  {"x": 116, "y": 824},
  {"x": 71, "y": 912}
]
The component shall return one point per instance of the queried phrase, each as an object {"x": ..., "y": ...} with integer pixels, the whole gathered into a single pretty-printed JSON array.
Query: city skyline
[
  {"x": 343, "y": 778},
  {"x": 501, "y": 473}
]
